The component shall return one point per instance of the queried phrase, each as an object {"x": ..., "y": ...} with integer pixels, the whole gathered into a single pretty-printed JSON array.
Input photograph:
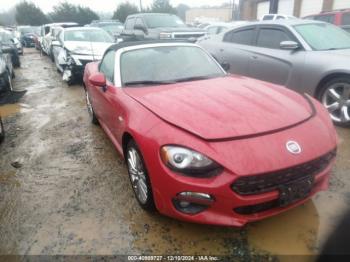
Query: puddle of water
[
  {"x": 293, "y": 232},
  {"x": 9, "y": 179},
  {"x": 11, "y": 109},
  {"x": 157, "y": 234}
]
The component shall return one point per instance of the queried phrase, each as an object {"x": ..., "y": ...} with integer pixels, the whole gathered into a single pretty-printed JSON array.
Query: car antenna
[{"x": 92, "y": 49}]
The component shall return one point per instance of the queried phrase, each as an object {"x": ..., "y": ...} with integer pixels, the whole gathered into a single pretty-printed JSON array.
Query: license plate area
[{"x": 295, "y": 191}]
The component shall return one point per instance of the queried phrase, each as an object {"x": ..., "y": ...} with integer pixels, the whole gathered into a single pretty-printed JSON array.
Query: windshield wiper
[
  {"x": 148, "y": 82},
  {"x": 193, "y": 78}
]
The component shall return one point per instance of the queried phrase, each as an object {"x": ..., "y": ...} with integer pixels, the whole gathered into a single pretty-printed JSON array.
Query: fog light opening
[{"x": 192, "y": 202}]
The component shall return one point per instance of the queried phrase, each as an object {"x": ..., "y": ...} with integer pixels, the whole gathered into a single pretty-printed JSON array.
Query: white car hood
[{"x": 87, "y": 48}]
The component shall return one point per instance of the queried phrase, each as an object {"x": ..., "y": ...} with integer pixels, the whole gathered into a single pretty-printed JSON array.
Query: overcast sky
[{"x": 107, "y": 5}]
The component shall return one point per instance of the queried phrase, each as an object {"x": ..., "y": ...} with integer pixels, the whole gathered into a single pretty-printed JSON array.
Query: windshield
[
  {"x": 322, "y": 36},
  {"x": 167, "y": 64},
  {"x": 88, "y": 36},
  {"x": 154, "y": 21}
]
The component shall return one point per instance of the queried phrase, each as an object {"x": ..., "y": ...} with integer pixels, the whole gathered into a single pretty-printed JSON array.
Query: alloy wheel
[
  {"x": 336, "y": 99},
  {"x": 137, "y": 175}
]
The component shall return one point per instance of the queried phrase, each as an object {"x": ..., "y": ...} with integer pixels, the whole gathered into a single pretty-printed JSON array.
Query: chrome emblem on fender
[{"x": 293, "y": 147}]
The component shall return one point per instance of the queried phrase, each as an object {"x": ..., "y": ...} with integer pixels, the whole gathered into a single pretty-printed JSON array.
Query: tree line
[{"x": 27, "y": 13}]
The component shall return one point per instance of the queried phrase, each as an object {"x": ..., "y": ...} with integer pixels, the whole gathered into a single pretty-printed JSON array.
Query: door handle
[
  {"x": 254, "y": 57},
  {"x": 222, "y": 50}
]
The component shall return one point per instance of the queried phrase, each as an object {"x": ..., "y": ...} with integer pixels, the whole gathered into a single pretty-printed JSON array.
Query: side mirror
[
  {"x": 140, "y": 27},
  {"x": 98, "y": 79},
  {"x": 55, "y": 43},
  {"x": 226, "y": 66},
  {"x": 289, "y": 45}
]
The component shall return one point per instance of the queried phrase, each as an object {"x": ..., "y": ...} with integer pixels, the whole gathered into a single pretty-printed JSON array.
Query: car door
[
  {"x": 106, "y": 99},
  {"x": 128, "y": 31},
  {"x": 270, "y": 63},
  {"x": 45, "y": 39},
  {"x": 235, "y": 49},
  {"x": 98, "y": 93}
]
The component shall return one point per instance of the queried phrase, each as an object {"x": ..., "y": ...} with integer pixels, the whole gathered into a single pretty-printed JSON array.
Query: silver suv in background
[
  {"x": 113, "y": 27},
  {"x": 158, "y": 26},
  {"x": 306, "y": 56}
]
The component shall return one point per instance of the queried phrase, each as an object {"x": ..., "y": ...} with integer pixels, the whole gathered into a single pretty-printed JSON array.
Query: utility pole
[
  {"x": 140, "y": 6},
  {"x": 233, "y": 10},
  {"x": 273, "y": 7}
]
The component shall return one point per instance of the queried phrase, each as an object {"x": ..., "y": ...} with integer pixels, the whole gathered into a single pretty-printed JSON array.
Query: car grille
[
  {"x": 247, "y": 210},
  {"x": 258, "y": 184},
  {"x": 187, "y": 36}
]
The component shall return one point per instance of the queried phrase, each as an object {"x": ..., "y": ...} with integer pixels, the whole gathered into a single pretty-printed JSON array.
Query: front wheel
[
  {"x": 9, "y": 86},
  {"x": 139, "y": 178},
  {"x": 51, "y": 55},
  {"x": 90, "y": 109},
  {"x": 335, "y": 96}
]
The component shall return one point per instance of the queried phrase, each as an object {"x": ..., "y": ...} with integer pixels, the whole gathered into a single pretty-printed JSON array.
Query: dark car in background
[
  {"x": 158, "y": 26},
  {"x": 6, "y": 69},
  {"x": 337, "y": 17},
  {"x": 113, "y": 27},
  {"x": 27, "y": 35},
  {"x": 307, "y": 56},
  {"x": 7, "y": 40}
]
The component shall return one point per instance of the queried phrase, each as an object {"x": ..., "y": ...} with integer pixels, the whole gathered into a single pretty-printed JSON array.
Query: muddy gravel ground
[{"x": 65, "y": 190}]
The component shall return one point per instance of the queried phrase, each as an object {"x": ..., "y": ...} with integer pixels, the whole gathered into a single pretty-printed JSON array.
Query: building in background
[
  {"x": 221, "y": 14},
  {"x": 255, "y": 9}
]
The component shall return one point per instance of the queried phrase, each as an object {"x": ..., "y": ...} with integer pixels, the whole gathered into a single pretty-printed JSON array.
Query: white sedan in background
[{"x": 77, "y": 46}]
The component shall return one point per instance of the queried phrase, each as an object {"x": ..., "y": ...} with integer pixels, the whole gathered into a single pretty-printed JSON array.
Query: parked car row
[{"x": 71, "y": 46}]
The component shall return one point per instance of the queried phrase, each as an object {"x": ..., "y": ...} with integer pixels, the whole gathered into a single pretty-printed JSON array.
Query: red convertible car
[{"x": 204, "y": 146}]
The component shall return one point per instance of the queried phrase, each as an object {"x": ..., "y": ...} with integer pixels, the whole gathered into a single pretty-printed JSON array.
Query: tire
[
  {"x": 138, "y": 176},
  {"x": 2, "y": 131},
  {"x": 90, "y": 109},
  {"x": 9, "y": 87},
  {"x": 51, "y": 55},
  {"x": 335, "y": 96},
  {"x": 16, "y": 61}
]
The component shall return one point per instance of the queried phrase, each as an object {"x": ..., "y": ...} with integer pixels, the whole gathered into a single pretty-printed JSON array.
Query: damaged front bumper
[{"x": 73, "y": 70}]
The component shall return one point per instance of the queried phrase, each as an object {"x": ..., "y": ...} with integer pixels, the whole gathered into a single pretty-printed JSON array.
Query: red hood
[{"x": 227, "y": 107}]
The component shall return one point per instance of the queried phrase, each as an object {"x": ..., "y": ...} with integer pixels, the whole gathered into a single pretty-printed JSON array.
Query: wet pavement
[{"x": 65, "y": 190}]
